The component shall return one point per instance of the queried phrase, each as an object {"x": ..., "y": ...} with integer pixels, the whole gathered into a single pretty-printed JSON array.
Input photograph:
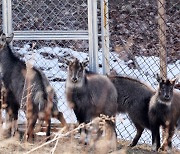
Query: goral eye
[{"x": 163, "y": 87}]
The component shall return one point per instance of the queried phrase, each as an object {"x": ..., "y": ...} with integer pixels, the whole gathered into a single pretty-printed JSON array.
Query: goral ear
[
  {"x": 3, "y": 38},
  {"x": 173, "y": 81},
  {"x": 10, "y": 38},
  {"x": 85, "y": 63},
  {"x": 158, "y": 78},
  {"x": 2, "y": 41},
  {"x": 67, "y": 61}
]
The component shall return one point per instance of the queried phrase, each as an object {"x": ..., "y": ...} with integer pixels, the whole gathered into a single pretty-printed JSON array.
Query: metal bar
[
  {"x": 95, "y": 37},
  {"x": 162, "y": 38},
  {"x": 51, "y": 35},
  {"x": 90, "y": 33},
  {"x": 10, "y": 29},
  {"x": 7, "y": 17},
  {"x": 105, "y": 36},
  {"x": 4, "y": 16}
]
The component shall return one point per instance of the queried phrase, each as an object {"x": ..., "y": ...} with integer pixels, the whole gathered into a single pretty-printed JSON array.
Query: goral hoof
[{"x": 163, "y": 149}]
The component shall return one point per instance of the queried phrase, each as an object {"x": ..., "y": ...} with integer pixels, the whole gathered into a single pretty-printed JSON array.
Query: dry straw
[{"x": 60, "y": 134}]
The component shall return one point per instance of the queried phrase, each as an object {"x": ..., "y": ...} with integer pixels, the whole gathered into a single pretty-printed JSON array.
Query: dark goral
[
  {"x": 133, "y": 99},
  {"x": 27, "y": 87},
  {"x": 164, "y": 110},
  {"x": 89, "y": 94}
]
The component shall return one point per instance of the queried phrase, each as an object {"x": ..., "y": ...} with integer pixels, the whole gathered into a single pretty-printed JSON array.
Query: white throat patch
[
  {"x": 70, "y": 84},
  {"x": 165, "y": 103}
]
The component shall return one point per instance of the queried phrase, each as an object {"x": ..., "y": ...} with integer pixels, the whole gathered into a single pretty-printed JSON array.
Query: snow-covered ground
[{"x": 50, "y": 60}]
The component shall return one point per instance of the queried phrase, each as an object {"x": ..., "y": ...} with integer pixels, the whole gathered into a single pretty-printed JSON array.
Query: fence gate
[{"x": 17, "y": 14}]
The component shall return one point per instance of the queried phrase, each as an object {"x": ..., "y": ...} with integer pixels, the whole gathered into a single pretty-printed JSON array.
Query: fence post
[
  {"x": 7, "y": 16},
  {"x": 93, "y": 35},
  {"x": 162, "y": 38},
  {"x": 105, "y": 36}
]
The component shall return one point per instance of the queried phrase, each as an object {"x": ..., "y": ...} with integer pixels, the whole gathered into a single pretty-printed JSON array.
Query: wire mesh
[
  {"x": 49, "y": 15},
  {"x": 134, "y": 43},
  {"x": 134, "y": 33}
]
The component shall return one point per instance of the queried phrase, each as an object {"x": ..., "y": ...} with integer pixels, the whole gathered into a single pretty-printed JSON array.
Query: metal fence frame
[{"x": 91, "y": 34}]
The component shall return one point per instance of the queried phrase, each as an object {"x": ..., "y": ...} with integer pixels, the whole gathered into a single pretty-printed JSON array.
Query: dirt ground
[{"x": 68, "y": 145}]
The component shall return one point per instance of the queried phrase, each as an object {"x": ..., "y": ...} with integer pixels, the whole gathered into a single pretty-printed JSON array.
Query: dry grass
[
  {"x": 69, "y": 142},
  {"x": 68, "y": 145}
]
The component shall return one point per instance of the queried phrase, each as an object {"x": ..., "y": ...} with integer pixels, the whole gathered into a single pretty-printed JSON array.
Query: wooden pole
[
  {"x": 105, "y": 36},
  {"x": 162, "y": 38}
]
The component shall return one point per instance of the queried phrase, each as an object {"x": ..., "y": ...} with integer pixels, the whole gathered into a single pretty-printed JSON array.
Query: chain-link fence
[
  {"x": 144, "y": 41},
  {"x": 52, "y": 16},
  {"x": 134, "y": 32},
  {"x": 134, "y": 43}
]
